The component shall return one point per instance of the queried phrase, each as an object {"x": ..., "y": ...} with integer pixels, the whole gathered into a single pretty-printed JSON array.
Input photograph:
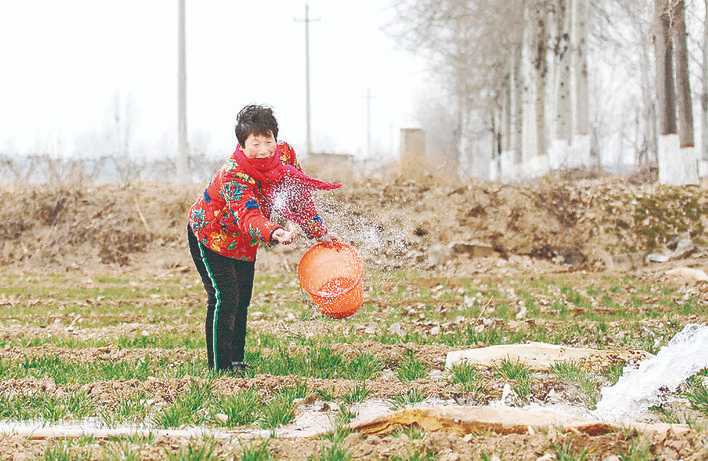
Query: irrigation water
[{"x": 639, "y": 388}]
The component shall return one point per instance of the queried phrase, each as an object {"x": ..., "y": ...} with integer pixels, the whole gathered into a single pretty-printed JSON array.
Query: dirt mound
[
  {"x": 583, "y": 222},
  {"x": 77, "y": 225}
]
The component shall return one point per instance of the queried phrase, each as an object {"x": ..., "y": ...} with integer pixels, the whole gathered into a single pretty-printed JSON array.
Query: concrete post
[{"x": 412, "y": 153}]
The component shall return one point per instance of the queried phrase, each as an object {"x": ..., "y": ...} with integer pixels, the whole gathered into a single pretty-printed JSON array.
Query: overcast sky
[{"x": 64, "y": 63}]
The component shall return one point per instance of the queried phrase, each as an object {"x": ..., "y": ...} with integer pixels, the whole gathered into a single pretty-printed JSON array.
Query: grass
[
  {"x": 575, "y": 297},
  {"x": 358, "y": 394},
  {"x": 569, "y": 371},
  {"x": 77, "y": 405},
  {"x": 121, "y": 451},
  {"x": 366, "y": 366},
  {"x": 135, "y": 439},
  {"x": 614, "y": 372},
  {"x": 665, "y": 415},
  {"x": 188, "y": 409},
  {"x": 133, "y": 409},
  {"x": 345, "y": 415},
  {"x": 411, "y": 397},
  {"x": 413, "y": 432},
  {"x": 257, "y": 452},
  {"x": 572, "y": 372},
  {"x": 75, "y": 372},
  {"x": 566, "y": 452},
  {"x": 59, "y": 453},
  {"x": 277, "y": 412},
  {"x": 561, "y": 307},
  {"x": 519, "y": 375},
  {"x": 427, "y": 455},
  {"x": 340, "y": 433},
  {"x": 198, "y": 405},
  {"x": 466, "y": 376},
  {"x": 332, "y": 452},
  {"x": 280, "y": 409},
  {"x": 639, "y": 450},
  {"x": 193, "y": 452},
  {"x": 317, "y": 362},
  {"x": 512, "y": 370},
  {"x": 326, "y": 395},
  {"x": 240, "y": 408},
  {"x": 411, "y": 368},
  {"x": 697, "y": 392}
]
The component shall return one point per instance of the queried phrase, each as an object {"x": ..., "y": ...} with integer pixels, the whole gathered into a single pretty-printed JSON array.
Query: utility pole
[
  {"x": 182, "y": 146},
  {"x": 307, "y": 22},
  {"x": 368, "y": 121}
]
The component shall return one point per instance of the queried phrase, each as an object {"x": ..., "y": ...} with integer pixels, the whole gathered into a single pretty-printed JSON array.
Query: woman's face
[{"x": 259, "y": 146}]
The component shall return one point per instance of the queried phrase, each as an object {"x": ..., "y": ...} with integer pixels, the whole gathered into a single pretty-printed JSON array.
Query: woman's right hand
[
  {"x": 329, "y": 237},
  {"x": 283, "y": 236}
]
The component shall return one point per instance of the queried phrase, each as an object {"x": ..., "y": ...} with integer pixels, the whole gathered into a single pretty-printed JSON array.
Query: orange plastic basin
[{"x": 331, "y": 274}]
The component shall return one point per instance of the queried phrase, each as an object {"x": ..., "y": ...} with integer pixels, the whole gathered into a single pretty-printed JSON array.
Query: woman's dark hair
[{"x": 255, "y": 119}]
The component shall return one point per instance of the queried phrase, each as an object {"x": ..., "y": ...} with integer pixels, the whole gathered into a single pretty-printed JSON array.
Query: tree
[
  {"x": 665, "y": 88},
  {"x": 561, "y": 51},
  {"x": 704, "y": 94},
  {"x": 581, "y": 116},
  {"x": 518, "y": 84},
  {"x": 468, "y": 44},
  {"x": 495, "y": 57},
  {"x": 677, "y": 162},
  {"x": 683, "y": 83},
  {"x": 540, "y": 72},
  {"x": 621, "y": 34}
]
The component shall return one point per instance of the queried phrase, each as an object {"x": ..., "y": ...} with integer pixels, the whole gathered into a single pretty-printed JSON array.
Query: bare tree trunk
[
  {"x": 518, "y": 78},
  {"x": 493, "y": 137},
  {"x": 704, "y": 95},
  {"x": 648, "y": 103},
  {"x": 677, "y": 166},
  {"x": 506, "y": 114},
  {"x": 496, "y": 139},
  {"x": 653, "y": 143},
  {"x": 665, "y": 92},
  {"x": 683, "y": 84},
  {"x": 460, "y": 117},
  {"x": 582, "y": 105},
  {"x": 554, "y": 34},
  {"x": 562, "y": 54},
  {"x": 640, "y": 151},
  {"x": 648, "y": 123},
  {"x": 541, "y": 71}
]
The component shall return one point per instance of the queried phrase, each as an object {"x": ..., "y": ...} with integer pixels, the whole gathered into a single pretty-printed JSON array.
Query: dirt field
[{"x": 102, "y": 320}]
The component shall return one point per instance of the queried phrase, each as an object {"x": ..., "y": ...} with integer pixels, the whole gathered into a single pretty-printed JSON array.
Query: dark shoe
[{"x": 238, "y": 368}]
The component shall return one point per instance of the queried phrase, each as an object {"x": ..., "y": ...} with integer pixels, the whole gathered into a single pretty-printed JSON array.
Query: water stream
[{"x": 639, "y": 388}]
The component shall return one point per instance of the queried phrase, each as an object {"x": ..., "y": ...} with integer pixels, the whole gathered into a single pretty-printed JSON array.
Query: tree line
[{"x": 526, "y": 81}]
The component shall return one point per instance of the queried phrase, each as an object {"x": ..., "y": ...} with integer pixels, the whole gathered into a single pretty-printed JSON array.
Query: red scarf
[{"x": 271, "y": 172}]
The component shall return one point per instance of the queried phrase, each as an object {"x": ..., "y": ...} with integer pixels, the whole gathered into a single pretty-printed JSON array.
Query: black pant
[{"x": 229, "y": 284}]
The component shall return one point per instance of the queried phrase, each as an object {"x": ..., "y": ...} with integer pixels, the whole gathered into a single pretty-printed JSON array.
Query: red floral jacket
[{"x": 233, "y": 215}]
